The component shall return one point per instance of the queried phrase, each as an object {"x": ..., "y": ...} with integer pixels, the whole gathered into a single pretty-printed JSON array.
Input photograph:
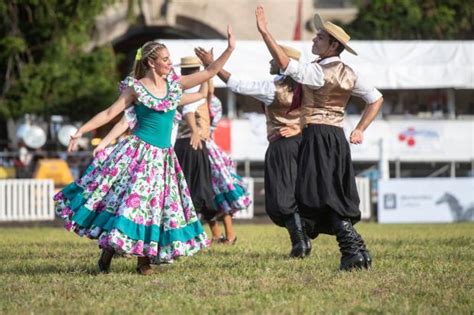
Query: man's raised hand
[
  {"x": 206, "y": 56},
  {"x": 261, "y": 20}
]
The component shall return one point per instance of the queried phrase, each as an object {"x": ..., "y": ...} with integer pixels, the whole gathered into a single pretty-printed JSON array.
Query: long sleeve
[
  {"x": 307, "y": 73},
  {"x": 263, "y": 91},
  {"x": 365, "y": 91}
]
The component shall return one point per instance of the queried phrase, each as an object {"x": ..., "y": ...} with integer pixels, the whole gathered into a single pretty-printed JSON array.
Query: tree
[
  {"x": 413, "y": 19},
  {"x": 44, "y": 64}
]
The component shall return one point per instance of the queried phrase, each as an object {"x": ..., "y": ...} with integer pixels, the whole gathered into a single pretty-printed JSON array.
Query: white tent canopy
[{"x": 386, "y": 64}]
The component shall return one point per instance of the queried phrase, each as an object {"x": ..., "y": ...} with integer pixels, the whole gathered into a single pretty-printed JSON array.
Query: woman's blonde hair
[{"x": 149, "y": 50}]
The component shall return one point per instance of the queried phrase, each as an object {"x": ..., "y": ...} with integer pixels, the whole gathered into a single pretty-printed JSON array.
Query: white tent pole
[
  {"x": 383, "y": 161},
  {"x": 451, "y": 103},
  {"x": 231, "y": 104}
]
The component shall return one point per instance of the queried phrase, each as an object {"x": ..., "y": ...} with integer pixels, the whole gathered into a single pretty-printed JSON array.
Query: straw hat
[
  {"x": 190, "y": 62},
  {"x": 335, "y": 31},
  {"x": 291, "y": 52}
]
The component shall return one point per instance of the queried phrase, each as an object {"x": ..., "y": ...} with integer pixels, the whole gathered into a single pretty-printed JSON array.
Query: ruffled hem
[
  {"x": 158, "y": 254},
  {"x": 125, "y": 236},
  {"x": 231, "y": 201},
  {"x": 230, "y": 191}
]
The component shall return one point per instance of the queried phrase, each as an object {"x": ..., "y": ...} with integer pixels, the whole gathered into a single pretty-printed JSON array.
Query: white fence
[
  {"x": 26, "y": 200},
  {"x": 32, "y": 199}
]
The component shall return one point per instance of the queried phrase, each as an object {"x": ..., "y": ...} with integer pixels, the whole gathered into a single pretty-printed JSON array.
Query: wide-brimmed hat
[
  {"x": 335, "y": 31},
  {"x": 291, "y": 52},
  {"x": 190, "y": 62}
]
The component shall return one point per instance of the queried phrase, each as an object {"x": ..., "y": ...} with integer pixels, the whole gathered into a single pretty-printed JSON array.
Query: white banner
[
  {"x": 369, "y": 150},
  {"x": 249, "y": 138},
  {"x": 426, "y": 200},
  {"x": 387, "y": 64},
  {"x": 407, "y": 140},
  {"x": 446, "y": 140}
]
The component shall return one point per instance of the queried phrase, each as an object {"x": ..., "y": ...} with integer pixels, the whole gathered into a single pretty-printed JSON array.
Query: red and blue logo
[{"x": 411, "y": 135}]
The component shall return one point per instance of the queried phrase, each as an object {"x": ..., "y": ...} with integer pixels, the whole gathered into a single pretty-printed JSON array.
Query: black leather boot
[
  {"x": 348, "y": 244},
  {"x": 297, "y": 236},
  {"x": 364, "y": 251}
]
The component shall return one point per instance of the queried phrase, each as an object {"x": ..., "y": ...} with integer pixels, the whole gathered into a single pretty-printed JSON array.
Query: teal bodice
[{"x": 154, "y": 127}]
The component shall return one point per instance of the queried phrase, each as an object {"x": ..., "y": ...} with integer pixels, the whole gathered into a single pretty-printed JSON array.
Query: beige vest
[
  {"x": 276, "y": 112},
  {"x": 326, "y": 105},
  {"x": 203, "y": 123}
]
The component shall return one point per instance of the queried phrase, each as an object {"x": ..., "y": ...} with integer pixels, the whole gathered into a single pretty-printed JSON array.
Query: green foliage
[
  {"x": 44, "y": 60},
  {"x": 413, "y": 19},
  {"x": 418, "y": 269}
]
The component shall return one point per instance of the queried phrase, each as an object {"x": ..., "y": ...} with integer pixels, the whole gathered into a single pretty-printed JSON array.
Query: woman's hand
[
  {"x": 206, "y": 56},
  {"x": 73, "y": 142},
  {"x": 99, "y": 148}
]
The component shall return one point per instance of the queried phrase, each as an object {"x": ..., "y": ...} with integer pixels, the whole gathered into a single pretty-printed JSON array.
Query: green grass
[{"x": 419, "y": 269}]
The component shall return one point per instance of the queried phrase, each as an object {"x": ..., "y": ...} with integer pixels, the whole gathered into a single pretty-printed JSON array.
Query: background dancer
[
  {"x": 283, "y": 133},
  {"x": 191, "y": 150},
  {"x": 230, "y": 192}
]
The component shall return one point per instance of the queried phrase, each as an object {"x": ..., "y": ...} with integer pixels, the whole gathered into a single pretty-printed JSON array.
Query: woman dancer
[
  {"x": 230, "y": 193},
  {"x": 137, "y": 202}
]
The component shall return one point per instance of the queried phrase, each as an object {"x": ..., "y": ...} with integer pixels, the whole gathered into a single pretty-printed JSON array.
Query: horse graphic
[{"x": 457, "y": 211}]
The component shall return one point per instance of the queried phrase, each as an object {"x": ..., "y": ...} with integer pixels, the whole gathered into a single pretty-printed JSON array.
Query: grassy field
[{"x": 419, "y": 269}]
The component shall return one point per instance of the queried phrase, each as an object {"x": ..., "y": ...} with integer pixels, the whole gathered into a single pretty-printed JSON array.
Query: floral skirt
[
  {"x": 230, "y": 192},
  {"x": 134, "y": 199}
]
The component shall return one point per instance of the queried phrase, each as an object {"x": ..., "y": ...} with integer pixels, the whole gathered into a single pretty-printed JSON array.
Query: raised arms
[
  {"x": 277, "y": 53},
  {"x": 188, "y": 81}
]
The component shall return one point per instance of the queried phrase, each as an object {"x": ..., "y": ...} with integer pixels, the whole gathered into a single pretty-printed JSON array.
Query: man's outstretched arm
[{"x": 277, "y": 53}]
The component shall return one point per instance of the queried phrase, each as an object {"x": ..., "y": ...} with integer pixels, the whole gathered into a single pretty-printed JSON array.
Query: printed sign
[
  {"x": 407, "y": 141},
  {"x": 426, "y": 200}
]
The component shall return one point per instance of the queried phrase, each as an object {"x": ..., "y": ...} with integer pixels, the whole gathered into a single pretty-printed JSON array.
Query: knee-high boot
[
  {"x": 351, "y": 257},
  {"x": 297, "y": 236},
  {"x": 364, "y": 251}
]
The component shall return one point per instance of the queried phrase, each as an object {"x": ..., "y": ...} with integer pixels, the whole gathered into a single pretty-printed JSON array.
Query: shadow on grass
[
  {"x": 249, "y": 255},
  {"x": 49, "y": 269}
]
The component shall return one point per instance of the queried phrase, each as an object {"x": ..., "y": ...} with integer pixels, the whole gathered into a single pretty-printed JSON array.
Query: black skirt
[
  {"x": 197, "y": 171},
  {"x": 326, "y": 180},
  {"x": 280, "y": 178}
]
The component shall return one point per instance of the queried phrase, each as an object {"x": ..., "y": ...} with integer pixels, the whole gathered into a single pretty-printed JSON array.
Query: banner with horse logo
[{"x": 426, "y": 200}]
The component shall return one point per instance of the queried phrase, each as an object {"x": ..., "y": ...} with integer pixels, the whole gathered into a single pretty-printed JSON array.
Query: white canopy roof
[{"x": 386, "y": 64}]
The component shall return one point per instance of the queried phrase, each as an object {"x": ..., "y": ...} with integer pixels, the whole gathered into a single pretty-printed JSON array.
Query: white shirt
[
  {"x": 192, "y": 107},
  {"x": 312, "y": 75},
  {"x": 263, "y": 91}
]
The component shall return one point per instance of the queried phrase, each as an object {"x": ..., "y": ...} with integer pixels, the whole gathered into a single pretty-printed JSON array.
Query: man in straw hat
[
  {"x": 284, "y": 135},
  {"x": 325, "y": 188},
  {"x": 190, "y": 146}
]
